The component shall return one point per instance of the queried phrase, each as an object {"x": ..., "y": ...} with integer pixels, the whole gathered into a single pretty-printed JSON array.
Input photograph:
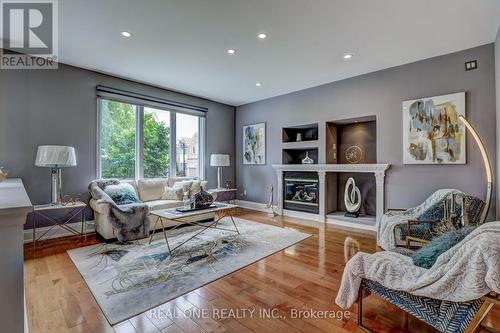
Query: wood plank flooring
[{"x": 303, "y": 277}]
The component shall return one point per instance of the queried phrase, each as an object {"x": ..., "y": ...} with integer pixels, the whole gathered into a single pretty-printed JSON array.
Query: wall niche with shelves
[
  {"x": 300, "y": 133},
  {"x": 352, "y": 141},
  {"x": 295, "y": 156}
]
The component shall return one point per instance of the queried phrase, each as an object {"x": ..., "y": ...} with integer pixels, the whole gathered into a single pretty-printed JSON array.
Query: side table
[
  {"x": 74, "y": 209},
  {"x": 223, "y": 194}
]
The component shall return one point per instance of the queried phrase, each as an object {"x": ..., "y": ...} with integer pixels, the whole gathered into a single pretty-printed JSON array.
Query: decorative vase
[
  {"x": 201, "y": 200},
  {"x": 298, "y": 138},
  {"x": 307, "y": 159}
]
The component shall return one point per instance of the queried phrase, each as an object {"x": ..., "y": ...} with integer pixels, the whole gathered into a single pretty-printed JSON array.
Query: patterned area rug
[{"x": 131, "y": 278}]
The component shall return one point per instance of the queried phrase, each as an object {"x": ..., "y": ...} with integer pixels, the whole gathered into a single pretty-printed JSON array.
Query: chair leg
[
  {"x": 360, "y": 311},
  {"x": 478, "y": 318}
]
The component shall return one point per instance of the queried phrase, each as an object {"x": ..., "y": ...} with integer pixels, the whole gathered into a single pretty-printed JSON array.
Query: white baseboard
[
  {"x": 57, "y": 232},
  {"x": 253, "y": 205},
  {"x": 262, "y": 208},
  {"x": 302, "y": 215}
]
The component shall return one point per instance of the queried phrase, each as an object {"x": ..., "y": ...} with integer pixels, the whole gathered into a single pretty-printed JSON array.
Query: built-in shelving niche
[
  {"x": 298, "y": 142},
  {"x": 296, "y": 155},
  {"x": 300, "y": 133},
  {"x": 341, "y": 136}
]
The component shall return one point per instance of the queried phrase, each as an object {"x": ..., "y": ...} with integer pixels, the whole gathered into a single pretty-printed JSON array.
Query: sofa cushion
[
  {"x": 197, "y": 186},
  {"x": 151, "y": 188},
  {"x": 163, "y": 204},
  {"x": 122, "y": 194}
]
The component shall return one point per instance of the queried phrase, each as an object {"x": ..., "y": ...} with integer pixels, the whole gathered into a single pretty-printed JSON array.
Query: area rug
[{"x": 131, "y": 278}]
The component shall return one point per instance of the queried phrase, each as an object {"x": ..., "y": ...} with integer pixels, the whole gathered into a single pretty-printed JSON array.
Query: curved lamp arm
[{"x": 487, "y": 166}]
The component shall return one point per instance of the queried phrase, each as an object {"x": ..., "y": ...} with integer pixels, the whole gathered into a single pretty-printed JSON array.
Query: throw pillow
[
  {"x": 176, "y": 192},
  {"x": 122, "y": 193},
  {"x": 173, "y": 193},
  {"x": 195, "y": 188},
  {"x": 427, "y": 255}
]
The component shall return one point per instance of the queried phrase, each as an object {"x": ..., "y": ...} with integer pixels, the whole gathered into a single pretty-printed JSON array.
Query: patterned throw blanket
[
  {"x": 386, "y": 237},
  {"x": 131, "y": 220},
  {"x": 467, "y": 271}
]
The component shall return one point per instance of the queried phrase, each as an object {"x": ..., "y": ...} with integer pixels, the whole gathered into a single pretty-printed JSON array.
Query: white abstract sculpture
[
  {"x": 352, "y": 200},
  {"x": 269, "y": 206}
]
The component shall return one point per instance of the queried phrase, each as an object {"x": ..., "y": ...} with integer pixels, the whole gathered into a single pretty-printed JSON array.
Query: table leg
[
  {"x": 234, "y": 223},
  {"x": 84, "y": 226},
  {"x": 165, "y": 235},
  {"x": 153, "y": 231}
]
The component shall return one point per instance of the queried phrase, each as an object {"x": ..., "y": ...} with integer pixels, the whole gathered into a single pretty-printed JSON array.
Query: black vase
[{"x": 202, "y": 199}]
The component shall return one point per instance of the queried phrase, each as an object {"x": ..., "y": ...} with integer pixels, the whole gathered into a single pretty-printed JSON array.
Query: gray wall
[
  {"x": 59, "y": 107},
  {"x": 497, "y": 84},
  {"x": 381, "y": 93}
]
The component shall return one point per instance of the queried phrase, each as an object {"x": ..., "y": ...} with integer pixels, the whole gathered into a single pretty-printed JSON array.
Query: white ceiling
[{"x": 181, "y": 44}]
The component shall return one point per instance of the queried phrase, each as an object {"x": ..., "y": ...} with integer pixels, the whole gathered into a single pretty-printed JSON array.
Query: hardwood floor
[{"x": 304, "y": 277}]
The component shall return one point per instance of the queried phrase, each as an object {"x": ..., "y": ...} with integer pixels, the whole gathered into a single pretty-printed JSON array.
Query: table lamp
[
  {"x": 219, "y": 161},
  {"x": 55, "y": 157}
]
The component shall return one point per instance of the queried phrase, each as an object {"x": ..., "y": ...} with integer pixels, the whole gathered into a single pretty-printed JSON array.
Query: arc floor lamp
[{"x": 487, "y": 166}]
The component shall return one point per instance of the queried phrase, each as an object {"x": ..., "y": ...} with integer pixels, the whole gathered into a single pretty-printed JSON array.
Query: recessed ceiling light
[
  {"x": 126, "y": 34},
  {"x": 262, "y": 35},
  {"x": 231, "y": 51},
  {"x": 348, "y": 56},
  {"x": 258, "y": 84}
]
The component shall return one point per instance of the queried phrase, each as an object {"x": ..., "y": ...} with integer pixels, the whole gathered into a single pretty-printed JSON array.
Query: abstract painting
[
  {"x": 254, "y": 144},
  {"x": 432, "y": 132}
]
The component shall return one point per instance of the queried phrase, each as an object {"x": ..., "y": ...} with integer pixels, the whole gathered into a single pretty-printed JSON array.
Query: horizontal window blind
[{"x": 151, "y": 101}]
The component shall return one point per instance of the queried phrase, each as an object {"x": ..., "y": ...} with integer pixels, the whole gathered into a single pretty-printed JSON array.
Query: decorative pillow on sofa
[
  {"x": 122, "y": 193},
  {"x": 151, "y": 188},
  {"x": 176, "y": 192},
  {"x": 197, "y": 186},
  {"x": 427, "y": 255}
]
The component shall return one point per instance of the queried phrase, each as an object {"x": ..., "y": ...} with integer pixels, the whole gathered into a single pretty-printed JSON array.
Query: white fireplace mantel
[{"x": 377, "y": 169}]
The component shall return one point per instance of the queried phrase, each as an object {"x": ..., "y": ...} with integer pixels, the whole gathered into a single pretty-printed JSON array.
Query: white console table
[{"x": 14, "y": 206}]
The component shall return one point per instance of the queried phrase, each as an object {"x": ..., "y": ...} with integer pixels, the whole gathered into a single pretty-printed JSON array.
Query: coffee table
[{"x": 172, "y": 215}]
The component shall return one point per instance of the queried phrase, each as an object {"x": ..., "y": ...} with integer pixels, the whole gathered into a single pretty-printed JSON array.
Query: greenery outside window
[{"x": 137, "y": 141}]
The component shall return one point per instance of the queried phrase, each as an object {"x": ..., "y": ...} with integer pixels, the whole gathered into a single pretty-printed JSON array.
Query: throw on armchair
[
  {"x": 451, "y": 287},
  {"x": 418, "y": 222}
]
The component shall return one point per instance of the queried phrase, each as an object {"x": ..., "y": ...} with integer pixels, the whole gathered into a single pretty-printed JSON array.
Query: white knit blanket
[
  {"x": 386, "y": 228},
  {"x": 465, "y": 272}
]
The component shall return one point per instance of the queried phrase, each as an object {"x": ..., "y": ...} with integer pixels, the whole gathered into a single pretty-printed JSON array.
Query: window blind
[{"x": 151, "y": 101}]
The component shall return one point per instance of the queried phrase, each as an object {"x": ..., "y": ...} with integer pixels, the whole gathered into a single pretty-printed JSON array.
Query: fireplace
[{"x": 301, "y": 191}]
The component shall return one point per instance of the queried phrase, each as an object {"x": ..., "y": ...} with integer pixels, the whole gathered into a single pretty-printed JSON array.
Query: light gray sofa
[{"x": 149, "y": 191}]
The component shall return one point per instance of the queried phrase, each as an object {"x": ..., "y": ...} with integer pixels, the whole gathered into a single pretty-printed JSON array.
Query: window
[
  {"x": 118, "y": 137},
  {"x": 156, "y": 128},
  {"x": 187, "y": 138},
  {"x": 140, "y": 141}
]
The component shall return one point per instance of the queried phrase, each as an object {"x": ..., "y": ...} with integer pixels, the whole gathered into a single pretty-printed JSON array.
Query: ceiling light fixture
[
  {"x": 231, "y": 51},
  {"x": 262, "y": 35},
  {"x": 126, "y": 34},
  {"x": 258, "y": 84},
  {"x": 348, "y": 56}
]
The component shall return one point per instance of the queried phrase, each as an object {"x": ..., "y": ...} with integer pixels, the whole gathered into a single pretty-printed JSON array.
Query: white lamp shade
[
  {"x": 219, "y": 160},
  {"x": 55, "y": 156}
]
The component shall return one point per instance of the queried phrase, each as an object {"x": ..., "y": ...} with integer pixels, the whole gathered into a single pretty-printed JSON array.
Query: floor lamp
[{"x": 487, "y": 166}]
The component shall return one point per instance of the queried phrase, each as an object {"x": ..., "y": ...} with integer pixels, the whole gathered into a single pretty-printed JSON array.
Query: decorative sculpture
[
  {"x": 307, "y": 159},
  {"x": 201, "y": 200},
  {"x": 270, "y": 208},
  {"x": 352, "y": 200}
]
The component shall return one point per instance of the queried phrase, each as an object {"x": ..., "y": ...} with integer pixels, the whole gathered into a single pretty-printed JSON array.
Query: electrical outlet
[
  {"x": 245, "y": 192},
  {"x": 470, "y": 65}
]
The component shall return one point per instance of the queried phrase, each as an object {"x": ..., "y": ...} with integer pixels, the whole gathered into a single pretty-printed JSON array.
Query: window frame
[{"x": 139, "y": 138}]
